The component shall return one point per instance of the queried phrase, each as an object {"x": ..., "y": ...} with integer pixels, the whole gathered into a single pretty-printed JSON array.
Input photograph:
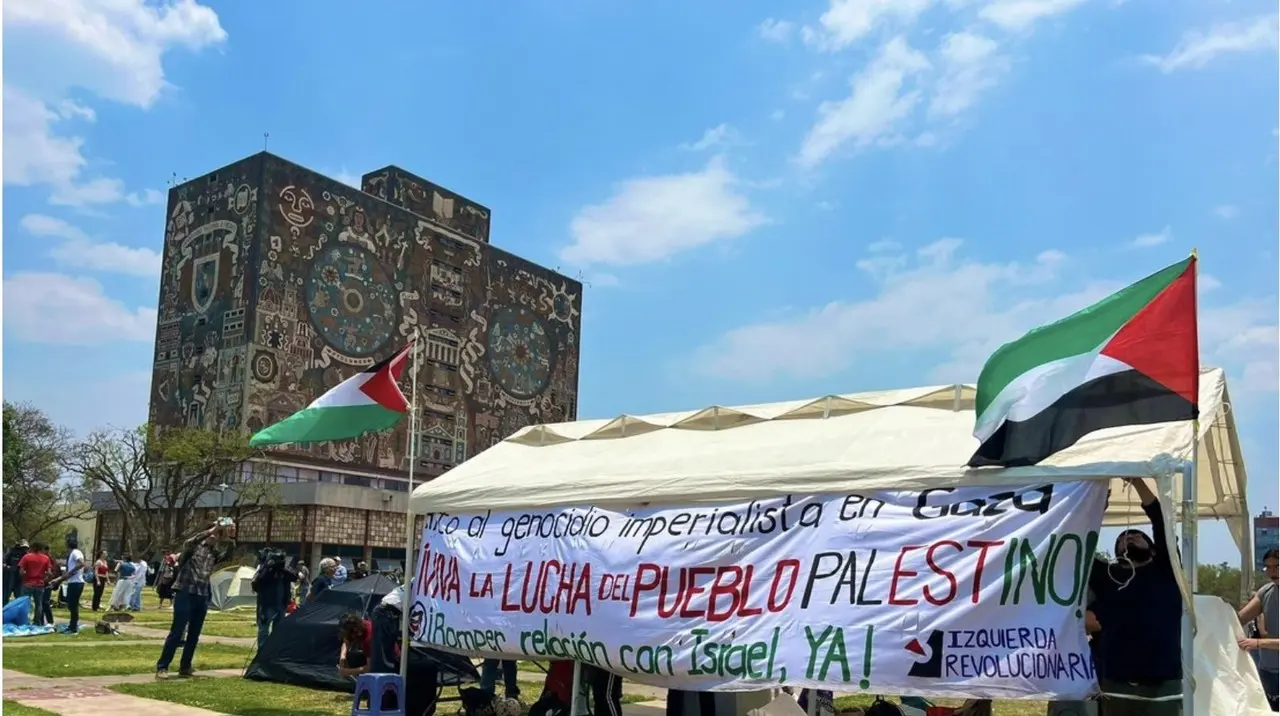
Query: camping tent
[
  {"x": 303, "y": 650},
  {"x": 896, "y": 439},
  {"x": 231, "y": 587}
]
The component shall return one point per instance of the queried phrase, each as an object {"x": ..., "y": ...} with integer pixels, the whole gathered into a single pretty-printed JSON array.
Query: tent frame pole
[
  {"x": 410, "y": 551},
  {"x": 1189, "y": 566}
]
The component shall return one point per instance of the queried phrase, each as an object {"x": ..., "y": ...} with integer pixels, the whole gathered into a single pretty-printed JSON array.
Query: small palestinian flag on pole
[
  {"x": 366, "y": 402},
  {"x": 1130, "y": 359}
]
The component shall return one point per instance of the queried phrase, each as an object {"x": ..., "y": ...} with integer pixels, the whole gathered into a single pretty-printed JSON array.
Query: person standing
[
  {"x": 140, "y": 569},
  {"x": 122, "y": 593},
  {"x": 489, "y": 677},
  {"x": 100, "y": 572},
  {"x": 272, "y": 584},
  {"x": 339, "y": 572},
  {"x": 35, "y": 567},
  {"x": 1266, "y": 604},
  {"x": 191, "y": 594},
  {"x": 73, "y": 577},
  {"x": 1138, "y": 608},
  {"x": 324, "y": 580},
  {"x": 13, "y": 575},
  {"x": 164, "y": 580},
  {"x": 304, "y": 581},
  {"x": 361, "y": 571}
]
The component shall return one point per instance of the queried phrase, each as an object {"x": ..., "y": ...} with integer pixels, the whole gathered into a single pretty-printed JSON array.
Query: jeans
[
  {"x": 74, "y": 590},
  {"x": 98, "y": 586},
  {"x": 489, "y": 677},
  {"x": 38, "y": 597},
  {"x": 1270, "y": 684},
  {"x": 189, "y": 611},
  {"x": 135, "y": 599},
  {"x": 268, "y": 619}
]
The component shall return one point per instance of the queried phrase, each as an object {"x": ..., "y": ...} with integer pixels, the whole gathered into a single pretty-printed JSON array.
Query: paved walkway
[
  {"x": 88, "y": 695},
  {"x": 24, "y": 642},
  {"x": 152, "y": 633}
]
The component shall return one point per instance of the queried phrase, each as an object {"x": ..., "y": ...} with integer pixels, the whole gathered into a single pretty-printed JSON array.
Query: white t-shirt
[
  {"x": 140, "y": 571},
  {"x": 76, "y": 557}
]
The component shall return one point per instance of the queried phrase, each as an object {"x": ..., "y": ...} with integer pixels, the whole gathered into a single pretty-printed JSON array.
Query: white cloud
[
  {"x": 145, "y": 198},
  {"x": 872, "y": 111},
  {"x": 1146, "y": 241},
  {"x": 79, "y": 250},
  {"x": 1200, "y": 47},
  {"x": 721, "y": 136},
  {"x": 1206, "y": 283},
  {"x": 1021, "y": 15},
  {"x": 344, "y": 176},
  {"x": 935, "y": 303},
  {"x": 1226, "y": 211},
  {"x": 884, "y": 245},
  {"x": 845, "y": 22},
  {"x": 970, "y": 64},
  {"x": 929, "y": 300},
  {"x": 651, "y": 218},
  {"x": 56, "y": 308},
  {"x": 112, "y": 48},
  {"x": 776, "y": 30}
]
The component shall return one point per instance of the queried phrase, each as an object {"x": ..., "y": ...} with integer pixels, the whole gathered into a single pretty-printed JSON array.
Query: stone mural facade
[{"x": 278, "y": 283}]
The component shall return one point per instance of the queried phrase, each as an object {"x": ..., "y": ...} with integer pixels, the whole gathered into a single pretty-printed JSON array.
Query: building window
[
  {"x": 330, "y": 477},
  {"x": 357, "y": 480}
]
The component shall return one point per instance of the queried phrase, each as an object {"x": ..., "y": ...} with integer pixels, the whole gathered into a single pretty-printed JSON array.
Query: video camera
[{"x": 273, "y": 559}]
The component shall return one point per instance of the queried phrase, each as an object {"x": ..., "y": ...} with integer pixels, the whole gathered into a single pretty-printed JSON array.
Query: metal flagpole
[
  {"x": 1190, "y": 514},
  {"x": 410, "y": 552}
]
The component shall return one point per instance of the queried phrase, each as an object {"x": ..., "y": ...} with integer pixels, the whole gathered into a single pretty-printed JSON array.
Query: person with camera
[
  {"x": 191, "y": 592},
  {"x": 273, "y": 584}
]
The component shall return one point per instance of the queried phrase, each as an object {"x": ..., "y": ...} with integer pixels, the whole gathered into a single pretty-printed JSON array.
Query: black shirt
[{"x": 1141, "y": 620}]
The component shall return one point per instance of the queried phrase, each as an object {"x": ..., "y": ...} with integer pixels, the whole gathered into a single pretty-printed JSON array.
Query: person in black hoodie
[{"x": 1137, "y": 605}]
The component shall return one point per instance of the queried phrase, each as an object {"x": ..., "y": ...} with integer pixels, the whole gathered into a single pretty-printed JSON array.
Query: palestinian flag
[
  {"x": 1130, "y": 359},
  {"x": 365, "y": 402}
]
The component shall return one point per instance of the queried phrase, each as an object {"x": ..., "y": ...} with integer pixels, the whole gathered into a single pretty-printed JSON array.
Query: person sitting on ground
[
  {"x": 356, "y": 634},
  {"x": 1265, "y": 607},
  {"x": 1138, "y": 609}
]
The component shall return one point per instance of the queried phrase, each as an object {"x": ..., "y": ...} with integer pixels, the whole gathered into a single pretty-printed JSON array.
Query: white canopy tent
[
  {"x": 896, "y": 439},
  {"x": 908, "y": 439}
]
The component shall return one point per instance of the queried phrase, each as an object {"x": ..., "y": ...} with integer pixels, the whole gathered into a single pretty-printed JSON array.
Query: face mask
[{"x": 1135, "y": 553}]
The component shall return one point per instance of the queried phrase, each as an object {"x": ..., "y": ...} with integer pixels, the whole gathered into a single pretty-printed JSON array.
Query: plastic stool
[{"x": 374, "y": 688}]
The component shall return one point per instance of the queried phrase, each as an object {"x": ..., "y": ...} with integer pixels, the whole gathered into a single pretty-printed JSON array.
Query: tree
[
  {"x": 1223, "y": 580},
  {"x": 158, "y": 478},
  {"x": 37, "y": 498}
]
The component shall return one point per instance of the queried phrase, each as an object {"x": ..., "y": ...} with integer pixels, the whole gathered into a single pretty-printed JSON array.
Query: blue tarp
[
  {"x": 18, "y": 612},
  {"x": 11, "y": 630}
]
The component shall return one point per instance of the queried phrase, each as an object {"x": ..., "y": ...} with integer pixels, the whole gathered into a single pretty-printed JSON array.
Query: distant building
[
  {"x": 278, "y": 282},
  {"x": 1266, "y": 536}
]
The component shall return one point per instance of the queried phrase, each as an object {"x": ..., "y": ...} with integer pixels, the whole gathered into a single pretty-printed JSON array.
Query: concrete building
[
  {"x": 1266, "y": 535},
  {"x": 277, "y": 283}
]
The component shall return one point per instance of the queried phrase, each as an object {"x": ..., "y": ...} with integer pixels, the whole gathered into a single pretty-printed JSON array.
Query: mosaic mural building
[{"x": 278, "y": 283}]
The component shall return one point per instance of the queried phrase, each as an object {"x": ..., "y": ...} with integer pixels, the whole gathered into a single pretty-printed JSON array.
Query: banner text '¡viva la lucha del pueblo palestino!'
[{"x": 971, "y": 592}]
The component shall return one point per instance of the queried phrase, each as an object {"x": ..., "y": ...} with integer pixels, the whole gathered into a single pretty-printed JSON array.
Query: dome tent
[
  {"x": 303, "y": 650},
  {"x": 232, "y": 588}
]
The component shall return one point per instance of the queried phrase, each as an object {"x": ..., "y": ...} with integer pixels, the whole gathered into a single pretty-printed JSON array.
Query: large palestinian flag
[
  {"x": 366, "y": 402},
  {"x": 1130, "y": 359}
]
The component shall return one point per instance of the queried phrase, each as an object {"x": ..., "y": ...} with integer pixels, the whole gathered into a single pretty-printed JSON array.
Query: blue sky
[{"x": 767, "y": 200}]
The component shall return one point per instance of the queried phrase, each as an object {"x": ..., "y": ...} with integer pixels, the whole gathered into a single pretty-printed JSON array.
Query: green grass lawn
[
  {"x": 255, "y": 698},
  {"x": 122, "y": 659},
  {"x": 13, "y": 708},
  {"x": 230, "y": 628}
]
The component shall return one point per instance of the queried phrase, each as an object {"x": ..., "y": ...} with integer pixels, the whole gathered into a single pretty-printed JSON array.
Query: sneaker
[
  {"x": 185, "y": 673},
  {"x": 162, "y": 674}
]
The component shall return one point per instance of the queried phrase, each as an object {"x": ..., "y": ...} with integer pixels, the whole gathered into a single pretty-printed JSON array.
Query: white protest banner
[{"x": 969, "y": 592}]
